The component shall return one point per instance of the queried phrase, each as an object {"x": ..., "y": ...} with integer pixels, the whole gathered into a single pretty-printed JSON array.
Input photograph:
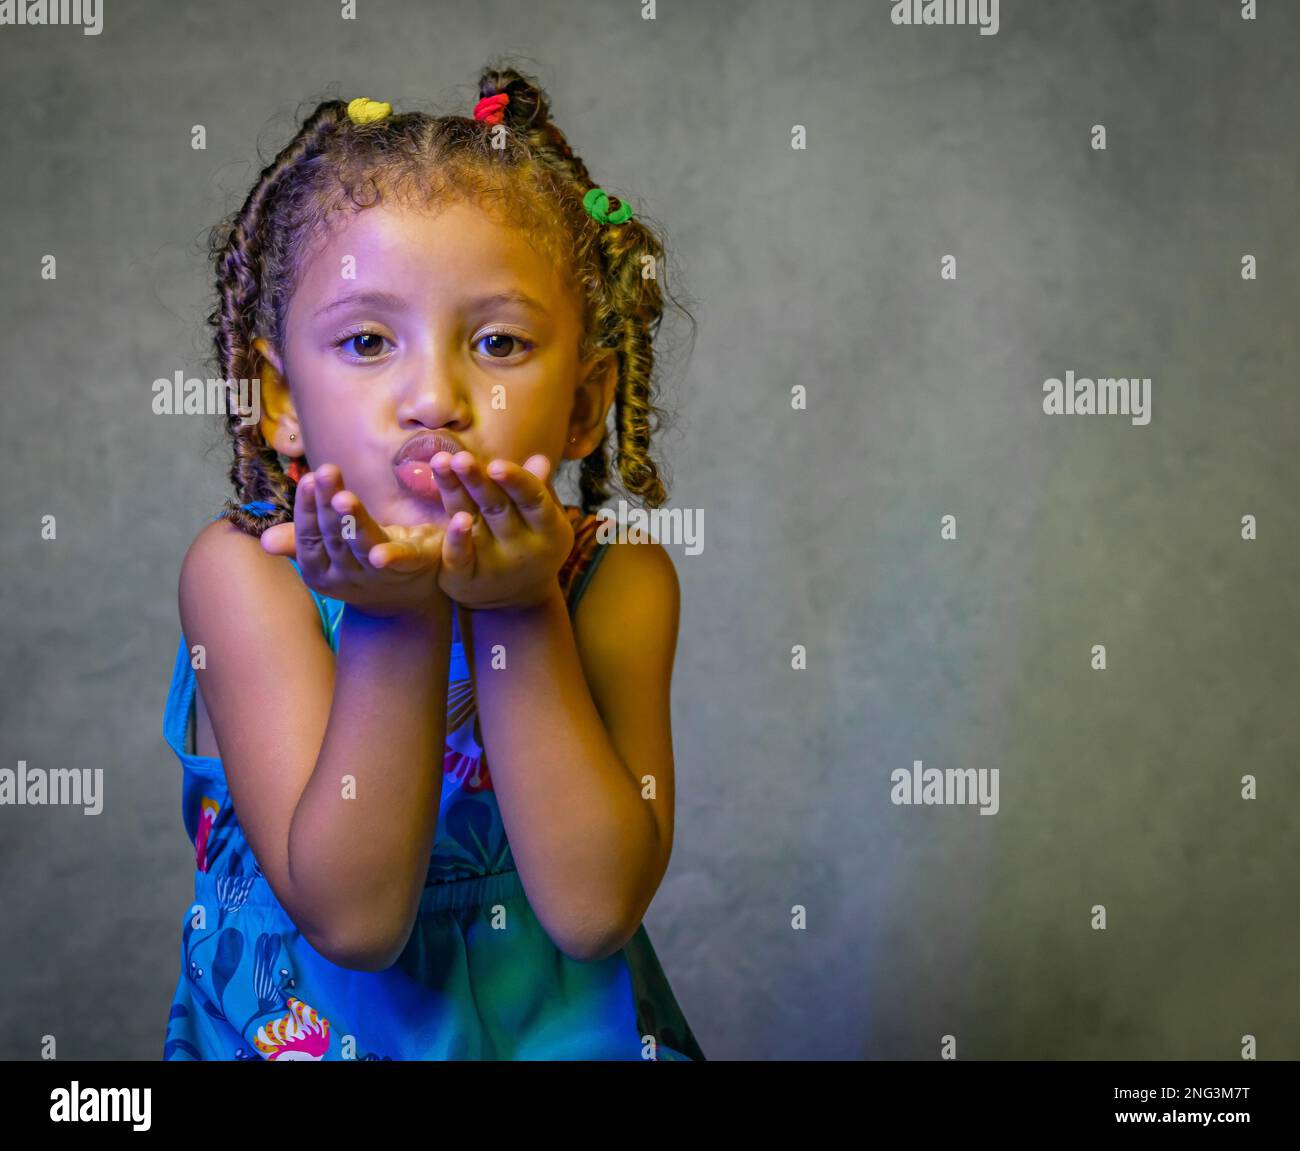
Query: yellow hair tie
[{"x": 363, "y": 111}]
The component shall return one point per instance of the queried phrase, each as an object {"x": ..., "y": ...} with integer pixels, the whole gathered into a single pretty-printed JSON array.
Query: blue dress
[{"x": 479, "y": 977}]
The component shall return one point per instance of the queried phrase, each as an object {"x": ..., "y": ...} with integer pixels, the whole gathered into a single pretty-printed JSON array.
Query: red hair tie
[{"x": 491, "y": 109}]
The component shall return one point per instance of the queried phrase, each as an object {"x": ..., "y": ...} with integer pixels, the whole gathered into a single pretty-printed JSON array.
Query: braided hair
[{"x": 528, "y": 173}]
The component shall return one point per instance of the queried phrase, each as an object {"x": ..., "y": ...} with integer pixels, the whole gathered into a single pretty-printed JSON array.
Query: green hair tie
[{"x": 597, "y": 205}]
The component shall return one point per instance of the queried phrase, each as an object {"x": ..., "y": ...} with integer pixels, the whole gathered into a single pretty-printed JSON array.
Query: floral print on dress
[
  {"x": 471, "y": 840},
  {"x": 208, "y": 808},
  {"x": 301, "y": 1034},
  {"x": 464, "y": 763}
]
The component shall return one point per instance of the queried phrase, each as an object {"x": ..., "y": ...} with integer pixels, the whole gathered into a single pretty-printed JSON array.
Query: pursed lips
[
  {"x": 413, "y": 466},
  {"x": 425, "y": 445}
]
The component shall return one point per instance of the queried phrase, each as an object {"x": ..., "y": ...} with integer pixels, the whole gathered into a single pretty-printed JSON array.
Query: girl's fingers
[
  {"x": 407, "y": 553},
  {"x": 458, "y": 546},
  {"x": 279, "y": 540},
  {"x": 454, "y": 496},
  {"x": 361, "y": 533},
  {"x": 497, "y": 508},
  {"x": 528, "y": 490},
  {"x": 330, "y": 481},
  {"x": 540, "y": 466},
  {"x": 306, "y": 528}
]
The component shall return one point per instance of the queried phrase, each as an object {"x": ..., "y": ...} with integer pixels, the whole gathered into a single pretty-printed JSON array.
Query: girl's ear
[
  {"x": 279, "y": 419},
  {"x": 591, "y": 403},
  {"x": 264, "y": 353}
]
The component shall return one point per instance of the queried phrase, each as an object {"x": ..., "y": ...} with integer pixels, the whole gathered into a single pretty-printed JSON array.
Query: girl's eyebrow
[
  {"x": 394, "y": 303},
  {"x": 513, "y": 296},
  {"x": 369, "y": 299}
]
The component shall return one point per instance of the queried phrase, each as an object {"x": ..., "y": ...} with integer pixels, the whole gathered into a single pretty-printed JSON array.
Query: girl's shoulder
[
  {"x": 641, "y": 572},
  {"x": 227, "y": 570}
]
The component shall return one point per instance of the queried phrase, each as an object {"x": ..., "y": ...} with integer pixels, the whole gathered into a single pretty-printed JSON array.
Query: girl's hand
[
  {"x": 380, "y": 571},
  {"x": 506, "y": 540}
]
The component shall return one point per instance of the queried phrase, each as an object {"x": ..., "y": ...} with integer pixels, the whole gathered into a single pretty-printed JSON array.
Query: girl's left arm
[{"x": 576, "y": 730}]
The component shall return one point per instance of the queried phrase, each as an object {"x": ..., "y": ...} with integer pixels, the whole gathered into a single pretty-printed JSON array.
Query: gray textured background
[{"x": 817, "y": 267}]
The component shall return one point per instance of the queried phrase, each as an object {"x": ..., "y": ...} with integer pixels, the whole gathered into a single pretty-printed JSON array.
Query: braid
[
  {"x": 237, "y": 249},
  {"x": 626, "y": 306}
]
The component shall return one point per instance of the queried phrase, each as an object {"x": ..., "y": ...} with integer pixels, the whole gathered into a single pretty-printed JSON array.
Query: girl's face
[{"x": 406, "y": 322}]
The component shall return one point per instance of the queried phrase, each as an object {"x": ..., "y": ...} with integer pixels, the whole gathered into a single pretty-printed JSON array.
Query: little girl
[{"x": 356, "y": 893}]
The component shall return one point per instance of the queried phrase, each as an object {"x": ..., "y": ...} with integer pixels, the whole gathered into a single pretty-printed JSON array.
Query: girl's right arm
[{"x": 334, "y": 767}]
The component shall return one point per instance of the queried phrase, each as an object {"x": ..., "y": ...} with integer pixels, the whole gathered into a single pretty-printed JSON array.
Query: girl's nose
[{"x": 436, "y": 399}]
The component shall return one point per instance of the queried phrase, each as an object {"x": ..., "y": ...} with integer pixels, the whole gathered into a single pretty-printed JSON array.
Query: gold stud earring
[{"x": 293, "y": 435}]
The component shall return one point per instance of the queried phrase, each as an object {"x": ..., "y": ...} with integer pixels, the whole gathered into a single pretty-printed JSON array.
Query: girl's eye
[
  {"x": 504, "y": 339},
  {"x": 365, "y": 345}
]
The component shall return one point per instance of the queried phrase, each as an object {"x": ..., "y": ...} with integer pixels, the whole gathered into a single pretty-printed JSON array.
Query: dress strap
[{"x": 588, "y": 551}]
